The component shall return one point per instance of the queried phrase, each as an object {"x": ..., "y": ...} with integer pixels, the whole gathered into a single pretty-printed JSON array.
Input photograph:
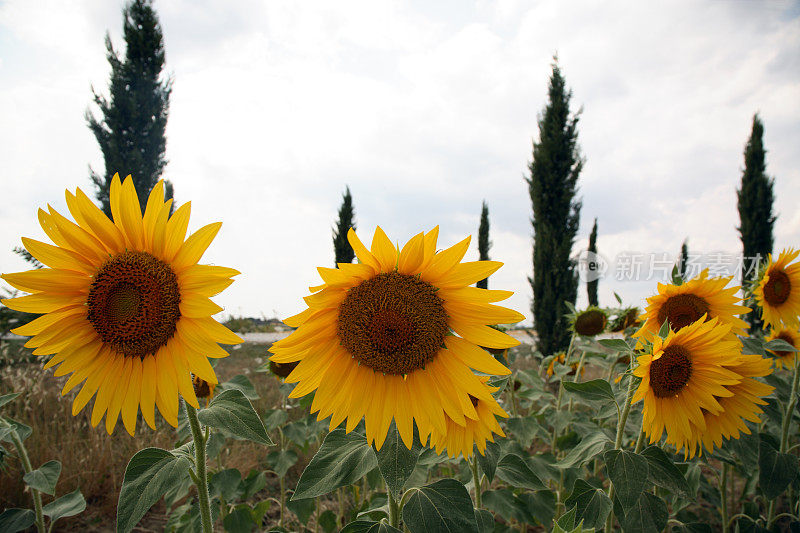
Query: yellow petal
[
  {"x": 155, "y": 202},
  {"x": 48, "y": 279},
  {"x": 44, "y": 302},
  {"x": 483, "y": 335},
  {"x": 130, "y": 405},
  {"x": 383, "y": 250},
  {"x": 148, "y": 387},
  {"x": 56, "y": 257},
  {"x": 468, "y": 273},
  {"x": 444, "y": 261},
  {"x": 195, "y": 246},
  {"x": 98, "y": 223},
  {"x": 364, "y": 256},
  {"x": 196, "y": 306},
  {"x": 131, "y": 215},
  {"x": 412, "y": 255},
  {"x": 176, "y": 231},
  {"x": 475, "y": 357}
]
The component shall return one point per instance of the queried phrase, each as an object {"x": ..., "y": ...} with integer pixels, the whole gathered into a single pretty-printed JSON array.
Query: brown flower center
[
  {"x": 682, "y": 310},
  {"x": 393, "y": 323},
  {"x": 590, "y": 323},
  {"x": 134, "y": 303},
  {"x": 670, "y": 373},
  {"x": 282, "y": 370},
  {"x": 778, "y": 288},
  {"x": 202, "y": 388}
]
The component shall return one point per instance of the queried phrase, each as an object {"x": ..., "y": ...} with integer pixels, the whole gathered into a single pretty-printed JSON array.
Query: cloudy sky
[{"x": 424, "y": 109}]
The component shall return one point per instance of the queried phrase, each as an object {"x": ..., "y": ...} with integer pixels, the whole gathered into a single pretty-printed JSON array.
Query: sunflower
[
  {"x": 203, "y": 389},
  {"x": 684, "y": 304},
  {"x": 778, "y": 292},
  {"x": 281, "y": 370},
  {"x": 461, "y": 439},
  {"x": 785, "y": 358},
  {"x": 397, "y": 336},
  {"x": 557, "y": 358},
  {"x": 697, "y": 386},
  {"x": 125, "y": 306},
  {"x": 590, "y": 322}
]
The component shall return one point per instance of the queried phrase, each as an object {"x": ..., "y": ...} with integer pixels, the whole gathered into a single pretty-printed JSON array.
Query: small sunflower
[
  {"x": 625, "y": 318},
  {"x": 697, "y": 386},
  {"x": 590, "y": 322},
  {"x": 557, "y": 359},
  {"x": 778, "y": 292},
  {"x": 785, "y": 358},
  {"x": 397, "y": 336},
  {"x": 125, "y": 306},
  {"x": 684, "y": 304},
  {"x": 463, "y": 439},
  {"x": 203, "y": 389}
]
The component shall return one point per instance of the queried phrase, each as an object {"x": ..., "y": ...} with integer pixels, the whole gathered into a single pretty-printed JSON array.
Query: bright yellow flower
[
  {"x": 697, "y": 386},
  {"x": 125, "y": 305},
  {"x": 461, "y": 439},
  {"x": 778, "y": 292},
  {"x": 792, "y": 336},
  {"x": 684, "y": 304},
  {"x": 396, "y": 336}
]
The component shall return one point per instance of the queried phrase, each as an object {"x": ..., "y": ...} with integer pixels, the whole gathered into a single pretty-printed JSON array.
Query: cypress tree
[
  {"x": 755, "y": 198},
  {"x": 130, "y": 130},
  {"x": 483, "y": 242},
  {"x": 683, "y": 260},
  {"x": 552, "y": 185},
  {"x": 591, "y": 286},
  {"x": 341, "y": 246}
]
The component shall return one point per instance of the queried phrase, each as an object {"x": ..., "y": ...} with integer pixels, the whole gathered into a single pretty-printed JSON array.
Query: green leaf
[
  {"x": 241, "y": 383},
  {"x": 5, "y": 398},
  {"x": 13, "y": 520},
  {"x": 254, "y": 482},
  {"x": 775, "y": 470},
  {"x": 649, "y": 515},
  {"x": 395, "y": 461},
  {"x": 515, "y": 471},
  {"x": 752, "y": 346},
  {"x": 663, "y": 472},
  {"x": 628, "y": 471},
  {"x": 44, "y": 478},
  {"x": 275, "y": 418},
  {"x": 343, "y": 459},
  {"x": 240, "y": 520},
  {"x": 591, "y": 504},
  {"x": 777, "y": 345},
  {"x": 303, "y": 509},
  {"x": 328, "y": 521},
  {"x": 441, "y": 506},
  {"x": 585, "y": 450},
  {"x": 506, "y": 505},
  {"x": 485, "y": 521},
  {"x": 23, "y": 431},
  {"x": 663, "y": 331},
  {"x": 231, "y": 411},
  {"x": 542, "y": 504},
  {"x": 523, "y": 428},
  {"x": 150, "y": 473},
  {"x": 366, "y": 526},
  {"x": 67, "y": 505},
  {"x": 488, "y": 461},
  {"x": 281, "y": 461},
  {"x": 692, "y": 527},
  {"x": 596, "y": 390},
  {"x": 618, "y": 345},
  {"x": 224, "y": 484}
]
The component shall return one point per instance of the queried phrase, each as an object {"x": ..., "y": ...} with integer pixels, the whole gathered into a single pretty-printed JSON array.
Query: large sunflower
[
  {"x": 461, "y": 439},
  {"x": 684, "y": 304},
  {"x": 785, "y": 358},
  {"x": 396, "y": 336},
  {"x": 125, "y": 305},
  {"x": 697, "y": 386},
  {"x": 778, "y": 292}
]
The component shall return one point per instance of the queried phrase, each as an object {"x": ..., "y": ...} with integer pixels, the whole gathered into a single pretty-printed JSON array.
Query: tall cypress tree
[
  {"x": 683, "y": 260},
  {"x": 591, "y": 286},
  {"x": 483, "y": 242},
  {"x": 755, "y": 198},
  {"x": 133, "y": 119},
  {"x": 341, "y": 246},
  {"x": 552, "y": 185}
]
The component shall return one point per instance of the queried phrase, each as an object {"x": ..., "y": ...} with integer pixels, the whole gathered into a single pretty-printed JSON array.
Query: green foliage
[
  {"x": 443, "y": 506},
  {"x": 133, "y": 119},
  {"x": 343, "y": 252},
  {"x": 591, "y": 504},
  {"x": 591, "y": 286},
  {"x": 13, "y": 520},
  {"x": 552, "y": 185},
  {"x": 44, "y": 478},
  {"x": 483, "y": 242},
  {"x": 67, "y": 505},
  {"x": 233, "y": 413},
  {"x": 396, "y": 462},
  {"x": 683, "y": 260}
]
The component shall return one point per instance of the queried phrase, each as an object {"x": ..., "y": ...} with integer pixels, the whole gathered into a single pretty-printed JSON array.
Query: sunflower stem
[
  {"x": 723, "y": 490},
  {"x": 26, "y": 465},
  {"x": 577, "y": 377},
  {"x": 200, "y": 469},
  {"x": 639, "y": 441},
  {"x": 623, "y": 419},
  {"x": 787, "y": 422},
  {"x": 473, "y": 465},
  {"x": 394, "y": 511}
]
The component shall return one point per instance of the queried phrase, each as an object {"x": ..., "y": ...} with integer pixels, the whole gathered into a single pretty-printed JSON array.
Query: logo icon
[{"x": 591, "y": 266}]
